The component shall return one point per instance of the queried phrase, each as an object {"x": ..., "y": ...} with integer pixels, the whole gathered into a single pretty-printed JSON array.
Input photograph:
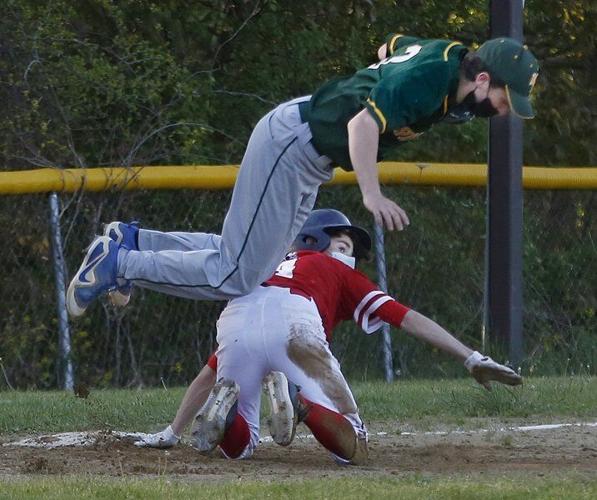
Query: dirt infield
[{"x": 570, "y": 448}]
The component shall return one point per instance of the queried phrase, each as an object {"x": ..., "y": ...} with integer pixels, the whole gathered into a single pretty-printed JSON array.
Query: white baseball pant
[
  {"x": 275, "y": 191},
  {"x": 272, "y": 329}
]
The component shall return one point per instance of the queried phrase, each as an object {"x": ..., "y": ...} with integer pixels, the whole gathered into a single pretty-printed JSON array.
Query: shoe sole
[
  {"x": 74, "y": 309},
  {"x": 209, "y": 426},
  {"x": 283, "y": 419}
]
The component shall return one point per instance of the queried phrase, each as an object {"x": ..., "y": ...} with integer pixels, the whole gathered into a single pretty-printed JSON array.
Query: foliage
[{"x": 139, "y": 82}]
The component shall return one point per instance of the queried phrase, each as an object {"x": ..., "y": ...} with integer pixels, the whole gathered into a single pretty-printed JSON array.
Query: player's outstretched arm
[
  {"x": 482, "y": 368},
  {"x": 191, "y": 403},
  {"x": 363, "y": 143}
]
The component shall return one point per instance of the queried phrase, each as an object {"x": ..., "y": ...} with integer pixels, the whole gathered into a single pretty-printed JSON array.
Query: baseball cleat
[
  {"x": 285, "y": 407},
  {"x": 163, "y": 439},
  {"x": 361, "y": 453},
  {"x": 214, "y": 417},
  {"x": 126, "y": 235},
  {"x": 97, "y": 275}
]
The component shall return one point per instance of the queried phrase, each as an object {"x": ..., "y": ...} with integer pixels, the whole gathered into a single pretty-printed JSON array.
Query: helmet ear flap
[
  {"x": 311, "y": 238},
  {"x": 321, "y": 222}
]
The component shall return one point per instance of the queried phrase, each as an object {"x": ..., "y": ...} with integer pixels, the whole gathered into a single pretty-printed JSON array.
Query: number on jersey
[
  {"x": 286, "y": 269},
  {"x": 410, "y": 52}
]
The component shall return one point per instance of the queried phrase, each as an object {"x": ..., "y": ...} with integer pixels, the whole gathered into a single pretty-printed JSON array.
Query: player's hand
[
  {"x": 162, "y": 439},
  {"x": 386, "y": 213},
  {"x": 484, "y": 369}
]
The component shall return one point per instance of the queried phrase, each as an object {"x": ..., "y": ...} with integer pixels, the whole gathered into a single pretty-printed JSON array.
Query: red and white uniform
[
  {"x": 340, "y": 292},
  {"x": 285, "y": 325}
]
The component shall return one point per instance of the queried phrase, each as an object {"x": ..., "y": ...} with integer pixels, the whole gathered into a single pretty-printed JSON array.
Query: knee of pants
[{"x": 242, "y": 282}]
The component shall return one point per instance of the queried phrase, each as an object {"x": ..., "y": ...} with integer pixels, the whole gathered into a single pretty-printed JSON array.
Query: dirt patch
[{"x": 391, "y": 453}]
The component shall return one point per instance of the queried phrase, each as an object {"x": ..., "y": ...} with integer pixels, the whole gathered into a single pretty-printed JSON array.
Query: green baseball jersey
[{"x": 405, "y": 93}]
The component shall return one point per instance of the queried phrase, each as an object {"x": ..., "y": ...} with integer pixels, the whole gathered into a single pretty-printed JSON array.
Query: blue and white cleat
[
  {"x": 97, "y": 275},
  {"x": 127, "y": 236}
]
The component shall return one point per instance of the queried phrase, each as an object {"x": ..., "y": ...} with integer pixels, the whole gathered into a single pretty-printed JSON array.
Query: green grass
[
  {"x": 416, "y": 486},
  {"x": 454, "y": 399},
  {"x": 425, "y": 402}
]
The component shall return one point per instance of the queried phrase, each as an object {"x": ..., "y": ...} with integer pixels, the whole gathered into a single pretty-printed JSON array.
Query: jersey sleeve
[
  {"x": 392, "y": 312},
  {"x": 363, "y": 298},
  {"x": 395, "y": 41}
]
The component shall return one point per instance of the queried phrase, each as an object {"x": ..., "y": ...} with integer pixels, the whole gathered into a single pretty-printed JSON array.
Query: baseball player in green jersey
[
  {"x": 416, "y": 83},
  {"x": 350, "y": 122}
]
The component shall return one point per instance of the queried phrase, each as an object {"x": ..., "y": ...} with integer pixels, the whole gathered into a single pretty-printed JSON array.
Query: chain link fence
[{"x": 436, "y": 266}]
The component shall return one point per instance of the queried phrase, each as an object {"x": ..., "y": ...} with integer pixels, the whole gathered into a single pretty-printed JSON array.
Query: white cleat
[
  {"x": 284, "y": 414},
  {"x": 209, "y": 426}
]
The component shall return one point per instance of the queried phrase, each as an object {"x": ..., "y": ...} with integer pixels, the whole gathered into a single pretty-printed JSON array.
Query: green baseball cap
[{"x": 514, "y": 64}]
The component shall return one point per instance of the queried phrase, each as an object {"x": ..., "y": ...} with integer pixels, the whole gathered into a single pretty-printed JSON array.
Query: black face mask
[
  {"x": 470, "y": 108},
  {"x": 483, "y": 109}
]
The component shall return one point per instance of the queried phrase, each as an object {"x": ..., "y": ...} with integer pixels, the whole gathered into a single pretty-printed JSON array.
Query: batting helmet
[{"x": 325, "y": 222}]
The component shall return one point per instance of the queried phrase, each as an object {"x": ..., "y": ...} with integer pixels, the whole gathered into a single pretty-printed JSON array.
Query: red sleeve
[
  {"x": 392, "y": 312},
  {"x": 212, "y": 362},
  {"x": 363, "y": 299}
]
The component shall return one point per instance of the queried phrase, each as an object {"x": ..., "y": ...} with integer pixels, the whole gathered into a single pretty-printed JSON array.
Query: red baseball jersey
[{"x": 339, "y": 291}]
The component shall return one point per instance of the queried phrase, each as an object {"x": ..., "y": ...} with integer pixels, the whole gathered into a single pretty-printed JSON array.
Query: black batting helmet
[{"x": 325, "y": 222}]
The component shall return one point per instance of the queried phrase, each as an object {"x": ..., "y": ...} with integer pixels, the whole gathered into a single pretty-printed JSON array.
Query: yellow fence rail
[{"x": 223, "y": 176}]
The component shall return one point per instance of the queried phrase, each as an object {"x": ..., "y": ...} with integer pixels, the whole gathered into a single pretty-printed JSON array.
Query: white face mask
[{"x": 345, "y": 259}]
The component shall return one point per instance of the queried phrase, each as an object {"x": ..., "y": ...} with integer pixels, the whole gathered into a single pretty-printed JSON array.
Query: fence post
[
  {"x": 60, "y": 279},
  {"x": 386, "y": 343}
]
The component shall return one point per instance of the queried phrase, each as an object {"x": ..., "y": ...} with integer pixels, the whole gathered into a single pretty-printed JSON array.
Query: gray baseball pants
[{"x": 274, "y": 193}]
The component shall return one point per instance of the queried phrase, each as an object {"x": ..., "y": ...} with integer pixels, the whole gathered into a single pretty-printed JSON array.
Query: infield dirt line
[{"x": 90, "y": 438}]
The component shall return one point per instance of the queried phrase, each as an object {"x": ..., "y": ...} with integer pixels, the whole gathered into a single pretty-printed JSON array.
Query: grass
[
  {"x": 422, "y": 403},
  {"x": 455, "y": 399},
  {"x": 425, "y": 402},
  {"x": 416, "y": 486}
]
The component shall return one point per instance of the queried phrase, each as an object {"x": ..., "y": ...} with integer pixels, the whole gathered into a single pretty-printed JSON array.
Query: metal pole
[
  {"x": 60, "y": 279},
  {"x": 504, "y": 284},
  {"x": 386, "y": 343}
]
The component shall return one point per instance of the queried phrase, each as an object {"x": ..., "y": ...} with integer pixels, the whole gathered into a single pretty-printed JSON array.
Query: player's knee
[{"x": 242, "y": 282}]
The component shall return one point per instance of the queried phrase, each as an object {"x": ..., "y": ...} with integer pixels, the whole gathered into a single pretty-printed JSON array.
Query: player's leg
[
  {"x": 195, "y": 397},
  {"x": 177, "y": 240},
  {"x": 242, "y": 362},
  {"x": 326, "y": 401},
  {"x": 275, "y": 190},
  {"x": 134, "y": 238},
  {"x": 274, "y": 193}
]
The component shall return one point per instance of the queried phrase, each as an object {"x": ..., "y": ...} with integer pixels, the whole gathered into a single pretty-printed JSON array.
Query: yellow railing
[{"x": 223, "y": 176}]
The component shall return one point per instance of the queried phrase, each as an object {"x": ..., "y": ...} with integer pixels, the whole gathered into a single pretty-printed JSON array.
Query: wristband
[{"x": 473, "y": 360}]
